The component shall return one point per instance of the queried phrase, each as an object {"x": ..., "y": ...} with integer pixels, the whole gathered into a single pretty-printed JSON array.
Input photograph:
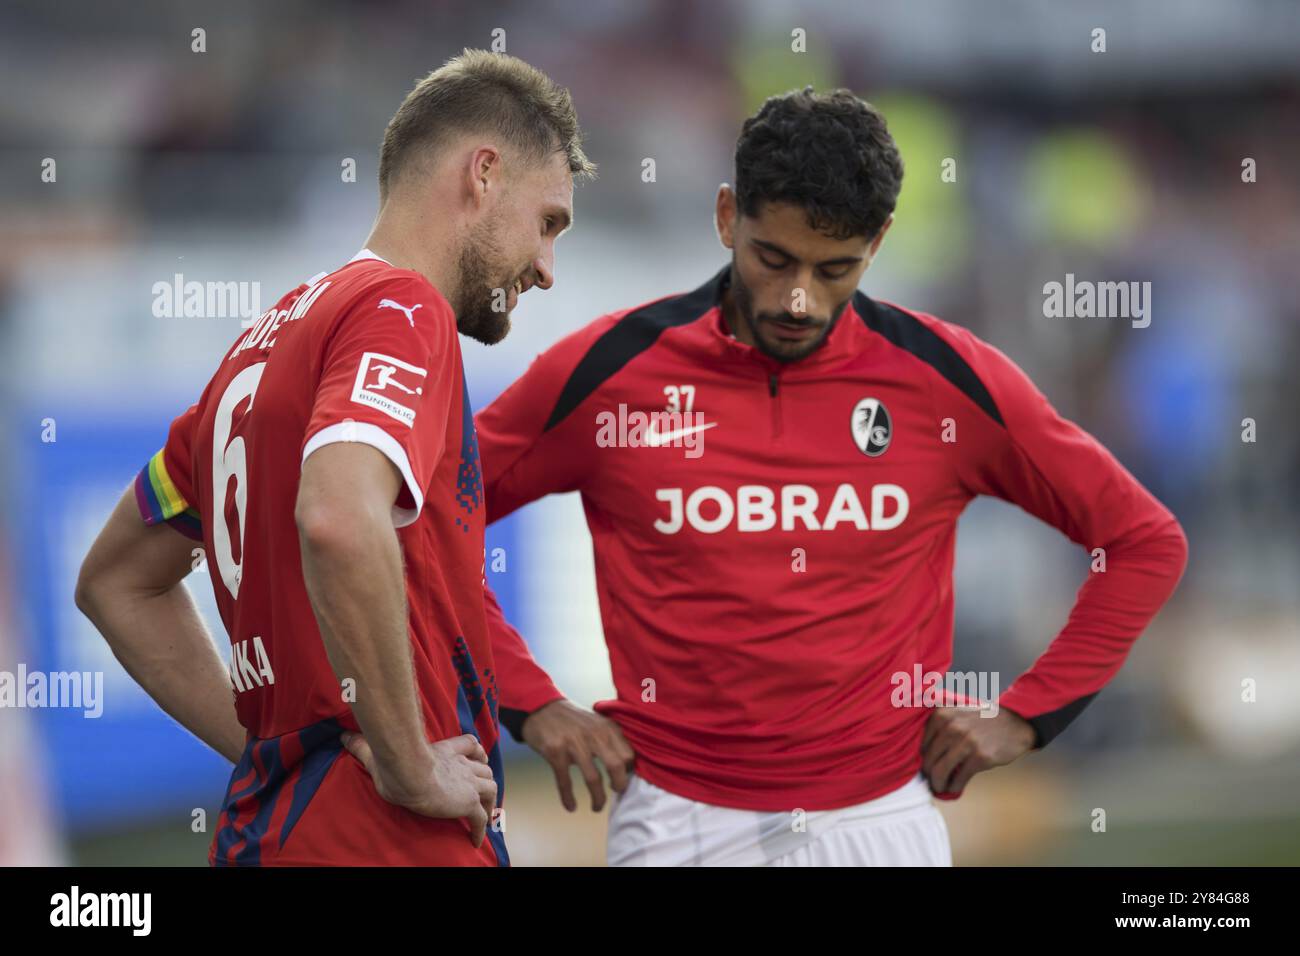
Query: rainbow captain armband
[{"x": 159, "y": 501}]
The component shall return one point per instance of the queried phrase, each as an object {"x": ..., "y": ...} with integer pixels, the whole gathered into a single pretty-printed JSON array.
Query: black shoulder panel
[
  {"x": 628, "y": 338},
  {"x": 912, "y": 335}
]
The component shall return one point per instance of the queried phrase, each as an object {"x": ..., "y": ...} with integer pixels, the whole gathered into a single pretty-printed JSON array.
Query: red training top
[
  {"x": 774, "y": 542},
  {"x": 368, "y": 353}
]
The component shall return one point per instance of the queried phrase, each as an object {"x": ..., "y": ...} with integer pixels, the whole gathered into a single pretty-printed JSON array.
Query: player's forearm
[
  {"x": 355, "y": 582},
  {"x": 1112, "y": 609},
  {"x": 1128, "y": 583},
  {"x": 161, "y": 641}
]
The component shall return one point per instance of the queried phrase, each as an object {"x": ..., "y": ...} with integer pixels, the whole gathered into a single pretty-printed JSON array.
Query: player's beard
[
  {"x": 481, "y": 288},
  {"x": 759, "y": 323}
]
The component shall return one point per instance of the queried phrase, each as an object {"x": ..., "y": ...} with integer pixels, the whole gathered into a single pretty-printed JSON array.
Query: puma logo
[{"x": 409, "y": 313}]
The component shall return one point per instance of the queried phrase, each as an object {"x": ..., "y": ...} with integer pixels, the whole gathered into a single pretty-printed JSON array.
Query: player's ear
[
  {"x": 724, "y": 215},
  {"x": 484, "y": 174},
  {"x": 880, "y": 236}
]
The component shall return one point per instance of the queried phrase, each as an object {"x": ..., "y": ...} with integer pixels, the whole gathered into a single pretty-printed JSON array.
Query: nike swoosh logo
[{"x": 655, "y": 440}]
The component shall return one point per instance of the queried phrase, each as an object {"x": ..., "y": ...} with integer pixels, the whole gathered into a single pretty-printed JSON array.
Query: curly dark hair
[{"x": 827, "y": 152}]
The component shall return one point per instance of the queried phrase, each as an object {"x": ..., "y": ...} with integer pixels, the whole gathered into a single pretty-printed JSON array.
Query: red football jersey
[
  {"x": 774, "y": 542},
  {"x": 368, "y": 353}
]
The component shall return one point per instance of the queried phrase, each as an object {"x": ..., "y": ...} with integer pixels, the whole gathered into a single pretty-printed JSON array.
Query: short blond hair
[{"x": 489, "y": 92}]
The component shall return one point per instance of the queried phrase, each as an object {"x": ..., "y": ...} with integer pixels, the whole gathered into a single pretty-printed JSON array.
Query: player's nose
[
  {"x": 802, "y": 305},
  {"x": 801, "y": 302},
  {"x": 544, "y": 271}
]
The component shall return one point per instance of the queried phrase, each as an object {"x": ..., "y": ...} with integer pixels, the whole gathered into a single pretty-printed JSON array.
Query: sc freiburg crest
[{"x": 871, "y": 427}]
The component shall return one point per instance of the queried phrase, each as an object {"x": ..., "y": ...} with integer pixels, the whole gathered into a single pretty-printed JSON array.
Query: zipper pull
[{"x": 771, "y": 384}]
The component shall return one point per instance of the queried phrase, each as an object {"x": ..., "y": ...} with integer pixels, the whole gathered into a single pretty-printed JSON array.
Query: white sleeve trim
[{"x": 376, "y": 438}]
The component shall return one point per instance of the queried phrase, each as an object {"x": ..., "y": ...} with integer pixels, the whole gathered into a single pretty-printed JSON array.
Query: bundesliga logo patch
[
  {"x": 870, "y": 427},
  {"x": 384, "y": 382}
]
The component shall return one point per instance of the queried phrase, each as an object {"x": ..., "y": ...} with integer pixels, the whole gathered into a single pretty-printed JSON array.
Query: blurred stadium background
[{"x": 226, "y": 165}]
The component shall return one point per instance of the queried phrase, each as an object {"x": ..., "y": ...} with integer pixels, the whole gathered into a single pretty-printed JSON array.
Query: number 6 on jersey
[{"x": 230, "y": 460}]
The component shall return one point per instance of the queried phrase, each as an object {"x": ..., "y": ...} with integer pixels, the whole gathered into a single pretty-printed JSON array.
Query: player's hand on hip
[
  {"x": 457, "y": 783},
  {"x": 566, "y": 734},
  {"x": 959, "y": 743}
]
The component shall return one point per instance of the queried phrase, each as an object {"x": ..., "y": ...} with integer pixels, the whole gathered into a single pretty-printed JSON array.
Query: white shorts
[{"x": 648, "y": 826}]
